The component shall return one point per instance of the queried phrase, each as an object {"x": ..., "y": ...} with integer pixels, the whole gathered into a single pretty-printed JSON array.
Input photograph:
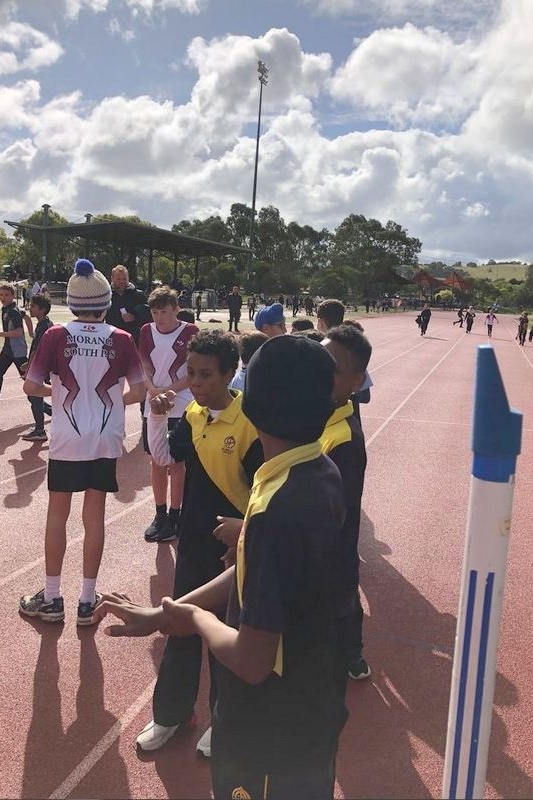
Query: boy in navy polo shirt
[
  {"x": 14, "y": 350},
  {"x": 343, "y": 441},
  {"x": 279, "y": 713}
]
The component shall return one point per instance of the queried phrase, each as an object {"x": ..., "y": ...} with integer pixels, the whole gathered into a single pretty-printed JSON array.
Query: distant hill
[{"x": 493, "y": 272}]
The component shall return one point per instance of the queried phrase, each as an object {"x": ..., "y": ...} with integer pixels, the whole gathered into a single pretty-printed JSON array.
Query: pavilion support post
[
  {"x": 196, "y": 270},
  {"x": 150, "y": 268},
  {"x": 175, "y": 267}
]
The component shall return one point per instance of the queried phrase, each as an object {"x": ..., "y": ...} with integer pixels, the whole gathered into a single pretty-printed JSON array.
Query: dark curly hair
[{"x": 220, "y": 344}]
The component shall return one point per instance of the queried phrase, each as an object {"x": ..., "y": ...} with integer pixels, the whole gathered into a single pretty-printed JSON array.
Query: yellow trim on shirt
[
  {"x": 221, "y": 444},
  {"x": 337, "y": 430},
  {"x": 269, "y": 478}
]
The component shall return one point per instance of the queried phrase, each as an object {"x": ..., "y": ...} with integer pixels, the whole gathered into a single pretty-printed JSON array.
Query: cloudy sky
[{"x": 420, "y": 111}]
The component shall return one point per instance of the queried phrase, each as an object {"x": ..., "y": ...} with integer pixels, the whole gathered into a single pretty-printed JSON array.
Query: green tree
[
  {"x": 309, "y": 247},
  {"x": 8, "y": 250},
  {"x": 372, "y": 250},
  {"x": 332, "y": 282}
]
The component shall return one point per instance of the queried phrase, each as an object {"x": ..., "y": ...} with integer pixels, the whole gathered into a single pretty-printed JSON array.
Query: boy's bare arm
[
  {"x": 136, "y": 393},
  {"x": 33, "y": 389},
  {"x": 14, "y": 334},
  {"x": 143, "y": 621},
  {"x": 248, "y": 652}
]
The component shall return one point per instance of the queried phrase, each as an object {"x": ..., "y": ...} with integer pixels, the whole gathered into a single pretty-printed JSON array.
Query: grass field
[{"x": 494, "y": 272}]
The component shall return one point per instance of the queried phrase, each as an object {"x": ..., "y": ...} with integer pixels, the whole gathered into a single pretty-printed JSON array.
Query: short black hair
[
  {"x": 185, "y": 315},
  {"x": 314, "y": 335},
  {"x": 304, "y": 324},
  {"x": 41, "y": 302},
  {"x": 332, "y": 312},
  {"x": 249, "y": 343},
  {"x": 352, "y": 339},
  {"x": 220, "y": 344}
]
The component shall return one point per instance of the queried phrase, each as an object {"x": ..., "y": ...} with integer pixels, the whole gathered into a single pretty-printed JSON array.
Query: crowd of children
[
  {"x": 267, "y": 566},
  {"x": 257, "y": 442}
]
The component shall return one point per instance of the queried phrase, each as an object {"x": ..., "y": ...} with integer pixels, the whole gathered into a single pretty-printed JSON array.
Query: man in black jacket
[
  {"x": 129, "y": 310},
  {"x": 234, "y": 301}
]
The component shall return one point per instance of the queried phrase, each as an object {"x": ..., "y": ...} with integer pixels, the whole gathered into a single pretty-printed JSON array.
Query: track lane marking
[
  {"x": 76, "y": 540},
  {"x": 100, "y": 749},
  {"x": 412, "y": 393}
]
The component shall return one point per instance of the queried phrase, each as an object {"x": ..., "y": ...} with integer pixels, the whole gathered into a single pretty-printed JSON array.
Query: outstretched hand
[{"x": 137, "y": 620}]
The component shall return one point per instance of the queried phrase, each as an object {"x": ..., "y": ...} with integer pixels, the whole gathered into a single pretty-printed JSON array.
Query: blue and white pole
[{"x": 496, "y": 443}]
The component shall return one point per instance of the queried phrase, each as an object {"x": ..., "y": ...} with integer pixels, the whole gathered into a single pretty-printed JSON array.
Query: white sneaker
[
  {"x": 154, "y": 736},
  {"x": 204, "y": 744}
]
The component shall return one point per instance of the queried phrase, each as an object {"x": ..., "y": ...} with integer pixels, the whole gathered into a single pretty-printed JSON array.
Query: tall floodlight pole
[{"x": 263, "y": 80}]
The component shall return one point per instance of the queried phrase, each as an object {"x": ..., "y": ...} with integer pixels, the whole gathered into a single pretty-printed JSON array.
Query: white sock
[
  {"x": 52, "y": 587},
  {"x": 88, "y": 590}
]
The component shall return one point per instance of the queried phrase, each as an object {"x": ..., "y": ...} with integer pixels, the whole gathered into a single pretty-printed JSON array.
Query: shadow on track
[
  {"x": 30, "y": 459},
  {"x": 51, "y": 753},
  {"x": 409, "y": 645},
  {"x": 133, "y": 473}
]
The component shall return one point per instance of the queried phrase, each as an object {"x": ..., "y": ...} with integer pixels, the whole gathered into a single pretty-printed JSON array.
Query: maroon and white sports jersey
[
  {"x": 164, "y": 358},
  {"x": 88, "y": 362}
]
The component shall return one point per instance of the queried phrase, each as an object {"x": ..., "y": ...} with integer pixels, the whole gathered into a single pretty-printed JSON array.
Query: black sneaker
[
  {"x": 86, "y": 611},
  {"x": 35, "y": 606},
  {"x": 359, "y": 670},
  {"x": 35, "y": 436},
  {"x": 158, "y": 526},
  {"x": 169, "y": 532}
]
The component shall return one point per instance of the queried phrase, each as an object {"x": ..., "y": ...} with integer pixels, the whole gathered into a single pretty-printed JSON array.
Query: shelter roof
[
  {"x": 456, "y": 281},
  {"x": 427, "y": 281},
  {"x": 135, "y": 235}
]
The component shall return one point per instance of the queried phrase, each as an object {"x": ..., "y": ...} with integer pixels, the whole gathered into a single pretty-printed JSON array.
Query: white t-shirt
[
  {"x": 164, "y": 358},
  {"x": 88, "y": 363}
]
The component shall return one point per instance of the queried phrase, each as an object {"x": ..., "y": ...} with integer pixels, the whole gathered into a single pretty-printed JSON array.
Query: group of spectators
[{"x": 267, "y": 527}]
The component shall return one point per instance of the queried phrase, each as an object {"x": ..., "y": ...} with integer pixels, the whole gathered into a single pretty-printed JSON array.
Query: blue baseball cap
[{"x": 270, "y": 315}]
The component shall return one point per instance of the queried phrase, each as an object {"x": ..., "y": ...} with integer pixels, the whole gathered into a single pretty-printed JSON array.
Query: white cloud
[
  {"x": 23, "y": 48},
  {"x": 407, "y": 75},
  {"x": 72, "y": 8},
  {"x": 452, "y": 14},
  {"x": 116, "y": 29},
  {"x": 467, "y": 189},
  {"x": 185, "y": 6},
  {"x": 18, "y": 103}
]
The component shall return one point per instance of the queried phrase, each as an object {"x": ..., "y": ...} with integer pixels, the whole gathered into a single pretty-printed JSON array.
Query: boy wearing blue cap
[{"x": 271, "y": 320}]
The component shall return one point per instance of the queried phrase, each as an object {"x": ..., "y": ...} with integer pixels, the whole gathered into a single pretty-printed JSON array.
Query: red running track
[{"x": 73, "y": 700}]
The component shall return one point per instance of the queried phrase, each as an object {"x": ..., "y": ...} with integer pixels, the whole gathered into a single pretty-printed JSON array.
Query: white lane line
[
  {"x": 433, "y": 422},
  {"x": 100, "y": 749},
  {"x": 22, "y": 475},
  {"x": 14, "y": 397},
  {"x": 400, "y": 355},
  {"x": 76, "y": 540},
  {"x": 413, "y": 392},
  {"x": 38, "y": 469}
]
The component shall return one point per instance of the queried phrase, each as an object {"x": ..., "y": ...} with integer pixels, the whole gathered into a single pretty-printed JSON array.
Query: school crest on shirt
[
  {"x": 240, "y": 794},
  {"x": 229, "y": 445}
]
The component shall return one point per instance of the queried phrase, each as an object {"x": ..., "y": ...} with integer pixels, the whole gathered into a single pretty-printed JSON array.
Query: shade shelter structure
[
  {"x": 131, "y": 237},
  {"x": 456, "y": 282}
]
